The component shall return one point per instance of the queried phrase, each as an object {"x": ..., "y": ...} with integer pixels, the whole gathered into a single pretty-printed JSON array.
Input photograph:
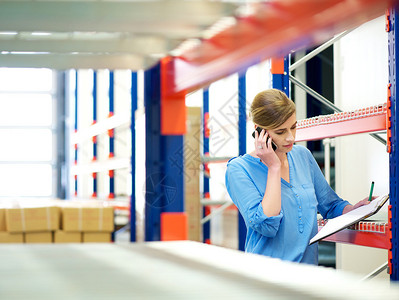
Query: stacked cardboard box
[
  {"x": 92, "y": 219},
  {"x": 57, "y": 221},
  {"x": 29, "y": 221},
  {"x": 5, "y": 236}
]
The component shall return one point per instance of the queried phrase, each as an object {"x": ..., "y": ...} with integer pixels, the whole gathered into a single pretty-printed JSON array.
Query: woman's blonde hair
[{"x": 271, "y": 108}]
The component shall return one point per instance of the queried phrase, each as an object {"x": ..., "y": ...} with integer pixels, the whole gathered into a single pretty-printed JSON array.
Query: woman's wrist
[
  {"x": 275, "y": 169},
  {"x": 347, "y": 209}
]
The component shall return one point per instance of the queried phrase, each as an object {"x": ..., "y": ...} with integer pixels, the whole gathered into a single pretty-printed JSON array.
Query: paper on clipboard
[{"x": 336, "y": 224}]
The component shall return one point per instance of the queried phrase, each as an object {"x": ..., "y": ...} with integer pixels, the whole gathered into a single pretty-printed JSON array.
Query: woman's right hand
[{"x": 265, "y": 151}]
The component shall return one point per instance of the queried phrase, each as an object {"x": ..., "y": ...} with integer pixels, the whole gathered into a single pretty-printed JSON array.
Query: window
[{"x": 27, "y": 159}]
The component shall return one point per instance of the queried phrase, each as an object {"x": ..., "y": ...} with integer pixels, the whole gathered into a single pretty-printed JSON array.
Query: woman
[{"x": 279, "y": 192}]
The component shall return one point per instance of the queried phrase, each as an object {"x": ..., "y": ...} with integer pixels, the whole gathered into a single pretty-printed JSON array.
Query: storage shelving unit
[
  {"x": 364, "y": 120},
  {"x": 370, "y": 234},
  {"x": 369, "y": 119},
  {"x": 393, "y": 142},
  {"x": 269, "y": 29},
  {"x": 94, "y": 144},
  {"x": 206, "y": 235},
  {"x": 199, "y": 65}
]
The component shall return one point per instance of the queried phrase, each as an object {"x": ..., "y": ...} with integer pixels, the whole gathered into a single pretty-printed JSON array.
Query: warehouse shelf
[
  {"x": 101, "y": 127},
  {"x": 221, "y": 159},
  {"x": 262, "y": 32},
  {"x": 364, "y": 120},
  {"x": 373, "y": 119},
  {"x": 365, "y": 233},
  {"x": 101, "y": 166},
  {"x": 205, "y": 202},
  {"x": 267, "y": 29}
]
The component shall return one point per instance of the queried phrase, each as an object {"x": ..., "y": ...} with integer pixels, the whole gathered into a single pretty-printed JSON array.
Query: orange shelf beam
[
  {"x": 366, "y": 120},
  {"x": 266, "y": 30},
  {"x": 368, "y": 234}
]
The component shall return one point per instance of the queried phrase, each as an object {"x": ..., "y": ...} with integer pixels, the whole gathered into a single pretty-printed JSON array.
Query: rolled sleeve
[
  {"x": 267, "y": 226},
  {"x": 248, "y": 200}
]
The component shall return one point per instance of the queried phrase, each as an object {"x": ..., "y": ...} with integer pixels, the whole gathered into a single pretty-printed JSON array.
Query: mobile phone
[{"x": 259, "y": 130}]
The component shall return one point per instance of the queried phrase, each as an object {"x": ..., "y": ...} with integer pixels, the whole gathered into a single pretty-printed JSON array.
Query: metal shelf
[
  {"x": 365, "y": 120},
  {"x": 370, "y": 234},
  {"x": 101, "y": 166},
  {"x": 264, "y": 30},
  {"x": 100, "y": 127}
]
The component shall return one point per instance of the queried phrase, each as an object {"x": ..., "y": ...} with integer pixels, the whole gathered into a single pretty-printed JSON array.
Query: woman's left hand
[{"x": 365, "y": 201}]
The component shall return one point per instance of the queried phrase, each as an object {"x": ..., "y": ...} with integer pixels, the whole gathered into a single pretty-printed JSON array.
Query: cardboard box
[
  {"x": 6, "y": 237},
  {"x": 3, "y": 219},
  {"x": 61, "y": 236},
  {"x": 39, "y": 237},
  {"x": 96, "y": 237},
  {"x": 94, "y": 218},
  {"x": 192, "y": 170},
  {"x": 33, "y": 219}
]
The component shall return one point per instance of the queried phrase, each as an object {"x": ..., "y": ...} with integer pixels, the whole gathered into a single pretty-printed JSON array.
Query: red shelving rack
[
  {"x": 365, "y": 120},
  {"x": 370, "y": 234}
]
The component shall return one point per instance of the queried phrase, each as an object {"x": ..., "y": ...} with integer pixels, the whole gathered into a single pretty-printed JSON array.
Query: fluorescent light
[
  {"x": 8, "y": 33},
  {"x": 41, "y": 33},
  {"x": 27, "y": 52}
]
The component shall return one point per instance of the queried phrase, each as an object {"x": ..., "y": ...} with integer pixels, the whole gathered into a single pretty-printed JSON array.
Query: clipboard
[{"x": 341, "y": 222}]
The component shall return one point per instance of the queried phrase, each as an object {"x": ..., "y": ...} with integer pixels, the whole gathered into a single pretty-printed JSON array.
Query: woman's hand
[
  {"x": 265, "y": 151},
  {"x": 365, "y": 201}
]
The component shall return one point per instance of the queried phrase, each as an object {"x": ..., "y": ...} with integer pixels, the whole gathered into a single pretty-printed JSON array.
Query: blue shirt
[{"x": 287, "y": 235}]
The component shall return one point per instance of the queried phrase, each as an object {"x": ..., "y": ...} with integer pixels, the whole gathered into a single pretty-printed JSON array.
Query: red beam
[
  {"x": 361, "y": 238},
  {"x": 173, "y": 105},
  {"x": 368, "y": 124},
  {"x": 273, "y": 29}
]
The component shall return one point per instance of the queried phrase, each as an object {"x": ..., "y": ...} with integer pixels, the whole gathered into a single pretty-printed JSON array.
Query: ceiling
[
  {"x": 215, "y": 37},
  {"x": 110, "y": 34}
]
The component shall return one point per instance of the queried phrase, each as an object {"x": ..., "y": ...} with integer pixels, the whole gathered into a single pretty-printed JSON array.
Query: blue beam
[
  {"x": 153, "y": 162},
  {"x": 393, "y": 48},
  {"x": 164, "y": 161},
  {"x": 133, "y": 158},
  {"x": 94, "y": 137},
  {"x": 242, "y": 146},
  {"x": 111, "y": 96},
  {"x": 281, "y": 81},
  {"x": 206, "y": 229},
  {"x": 111, "y": 111},
  {"x": 76, "y": 129},
  {"x": 111, "y": 92}
]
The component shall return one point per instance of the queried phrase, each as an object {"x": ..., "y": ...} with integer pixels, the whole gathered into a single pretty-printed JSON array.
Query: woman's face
[{"x": 284, "y": 135}]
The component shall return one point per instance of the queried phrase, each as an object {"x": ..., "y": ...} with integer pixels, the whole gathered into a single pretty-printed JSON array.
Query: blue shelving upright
[
  {"x": 164, "y": 191},
  {"x": 206, "y": 229},
  {"x": 111, "y": 134},
  {"x": 280, "y": 80},
  {"x": 393, "y": 48},
  {"x": 94, "y": 137},
  {"x": 242, "y": 145},
  {"x": 75, "y": 130},
  {"x": 133, "y": 157}
]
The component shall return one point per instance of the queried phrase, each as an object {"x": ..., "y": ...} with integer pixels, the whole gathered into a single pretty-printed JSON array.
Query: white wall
[{"x": 361, "y": 78}]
